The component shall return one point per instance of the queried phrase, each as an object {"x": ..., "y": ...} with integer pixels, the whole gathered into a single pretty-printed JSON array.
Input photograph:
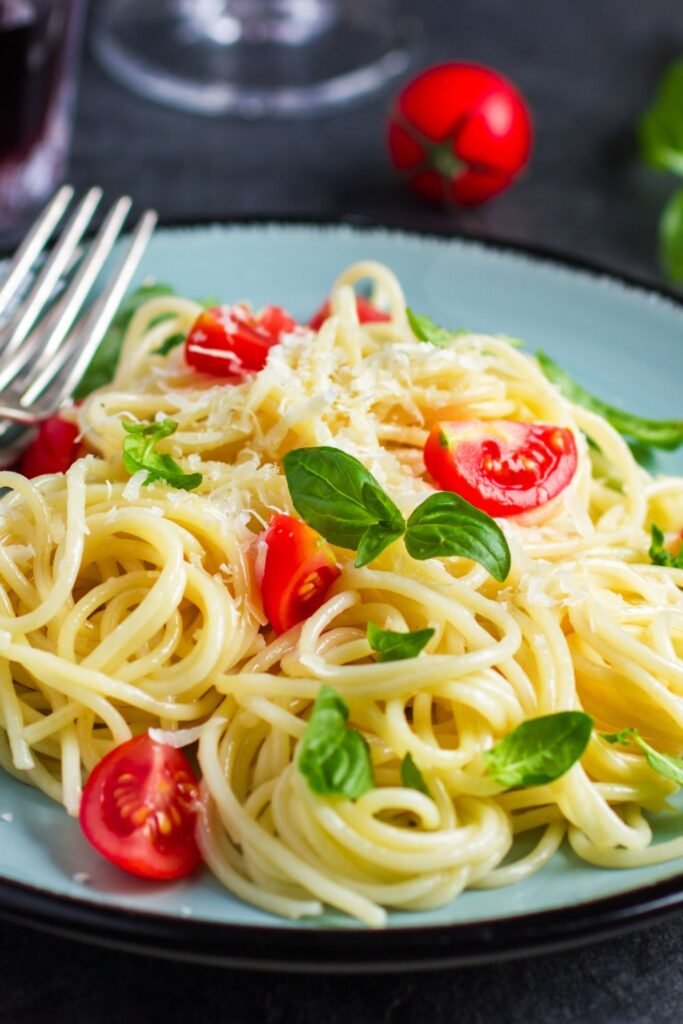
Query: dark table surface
[{"x": 587, "y": 68}]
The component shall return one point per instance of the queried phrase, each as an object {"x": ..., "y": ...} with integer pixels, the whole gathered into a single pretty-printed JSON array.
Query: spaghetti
[{"x": 126, "y": 605}]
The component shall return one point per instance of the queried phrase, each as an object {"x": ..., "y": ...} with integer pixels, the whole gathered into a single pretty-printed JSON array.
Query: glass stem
[{"x": 226, "y": 22}]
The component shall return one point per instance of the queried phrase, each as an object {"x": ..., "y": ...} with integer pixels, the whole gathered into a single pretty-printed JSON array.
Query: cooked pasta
[{"x": 127, "y": 605}]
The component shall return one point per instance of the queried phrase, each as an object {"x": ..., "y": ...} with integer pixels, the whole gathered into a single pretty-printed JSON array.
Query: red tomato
[
  {"x": 460, "y": 132},
  {"x": 139, "y": 808},
  {"x": 367, "y": 313},
  {"x": 298, "y": 571},
  {"x": 226, "y": 341},
  {"x": 53, "y": 450},
  {"x": 500, "y": 466}
]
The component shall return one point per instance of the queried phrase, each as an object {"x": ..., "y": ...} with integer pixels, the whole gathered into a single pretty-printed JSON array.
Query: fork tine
[
  {"x": 34, "y": 243},
  {"x": 84, "y": 341},
  {"x": 46, "y": 339},
  {"x": 16, "y": 331}
]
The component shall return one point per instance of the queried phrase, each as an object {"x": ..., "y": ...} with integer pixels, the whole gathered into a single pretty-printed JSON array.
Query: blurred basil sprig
[{"x": 660, "y": 133}]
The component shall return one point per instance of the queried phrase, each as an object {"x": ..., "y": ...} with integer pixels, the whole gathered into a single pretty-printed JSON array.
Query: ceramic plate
[{"x": 622, "y": 341}]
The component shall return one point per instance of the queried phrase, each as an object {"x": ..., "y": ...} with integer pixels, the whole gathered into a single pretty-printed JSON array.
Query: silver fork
[{"x": 42, "y": 360}]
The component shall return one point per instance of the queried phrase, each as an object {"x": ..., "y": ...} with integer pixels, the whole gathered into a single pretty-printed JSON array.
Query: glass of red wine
[
  {"x": 254, "y": 58},
  {"x": 39, "y": 47}
]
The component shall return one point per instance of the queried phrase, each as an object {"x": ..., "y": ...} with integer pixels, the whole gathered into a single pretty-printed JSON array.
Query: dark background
[{"x": 587, "y": 68}]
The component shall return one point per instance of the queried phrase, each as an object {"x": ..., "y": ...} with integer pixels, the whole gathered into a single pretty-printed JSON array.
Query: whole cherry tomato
[
  {"x": 139, "y": 807},
  {"x": 460, "y": 133},
  {"x": 226, "y": 341},
  {"x": 500, "y": 466},
  {"x": 53, "y": 449},
  {"x": 367, "y": 313},
  {"x": 298, "y": 571}
]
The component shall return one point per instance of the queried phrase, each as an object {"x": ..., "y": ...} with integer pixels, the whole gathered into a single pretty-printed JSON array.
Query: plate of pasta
[{"x": 340, "y": 626}]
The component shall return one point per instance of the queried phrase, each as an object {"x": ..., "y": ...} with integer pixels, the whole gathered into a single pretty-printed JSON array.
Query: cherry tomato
[
  {"x": 53, "y": 450},
  {"x": 367, "y": 314},
  {"x": 500, "y": 466},
  {"x": 139, "y": 807},
  {"x": 226, "y": 341},
  {"x": 460, "y": 132},
  {"x": 298, "y": 571}
]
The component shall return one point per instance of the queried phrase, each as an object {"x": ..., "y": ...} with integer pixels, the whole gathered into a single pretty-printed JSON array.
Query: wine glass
[
  {"x": 39, "y": 52},
  {"x": 254, "y": 58}
]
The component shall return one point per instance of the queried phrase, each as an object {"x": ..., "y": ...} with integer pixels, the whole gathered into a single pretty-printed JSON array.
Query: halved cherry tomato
[
  {"x": 53, "y": 450},
  {"x": 299, "y": 569},
  {"x": 226, "y": 341},
  {"x": 367, "y": 313},
  {"x": 460, "y": 132},
  {"x": 139, "y": 808},
  {"x": 501, "y": 466}
]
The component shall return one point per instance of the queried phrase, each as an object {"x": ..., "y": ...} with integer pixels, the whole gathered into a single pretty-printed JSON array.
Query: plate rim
[{"x": 355, "y": 950}]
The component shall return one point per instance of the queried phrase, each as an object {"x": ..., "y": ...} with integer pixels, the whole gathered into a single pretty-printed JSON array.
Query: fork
[{"x": 45, "y": 349}]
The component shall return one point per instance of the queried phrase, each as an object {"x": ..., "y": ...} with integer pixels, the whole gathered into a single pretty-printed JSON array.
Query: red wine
[{"x": 32, "y": 52}]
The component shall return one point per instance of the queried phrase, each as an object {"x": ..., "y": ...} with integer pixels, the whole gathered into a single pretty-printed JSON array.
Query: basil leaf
[
  {"x": 169, "y": 344},
  {"x": 667, "y": 434},
  {"x": 139, "y": 453},
  {"x": 334, "y": 759},
  {"x": 373, "y": 542},
  {"x": 445, "y": 524},
  {"x": 671, "y": 237},
  {"x": 660, "y": 555},
  {"x": 103, "y": 364},
  {"x": 540, "y": 749},
  {"x": 393, "y": 646},
  {"x": 424, "y": 329},
  {"x": 411, "y": 776},
  {"x": 336, "y": 495},
  {"x": 665, "y": 764},
  {"x": 660, "y": 130}
]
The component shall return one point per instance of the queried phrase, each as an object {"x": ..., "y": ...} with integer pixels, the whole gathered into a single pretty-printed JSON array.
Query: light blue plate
[{"x": 624, "y": 343}]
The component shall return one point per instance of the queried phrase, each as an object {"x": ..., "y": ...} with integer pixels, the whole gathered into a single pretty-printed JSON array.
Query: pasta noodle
[{"x": 125, "y": 606}]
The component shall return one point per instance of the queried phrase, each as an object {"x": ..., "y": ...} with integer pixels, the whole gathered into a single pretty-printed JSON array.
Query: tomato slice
[
  {"x": 139, "y": 807},
  {"x": 367, "y": 313},
  {"x": 298, "y": 571},
  {"x": 53, "y": 450},
  {"x": 226, "y": 341},
  {"x": 501, "y": 466}
]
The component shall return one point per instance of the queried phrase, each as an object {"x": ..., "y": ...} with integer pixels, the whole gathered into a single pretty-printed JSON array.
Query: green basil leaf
[
  {"x": 540, "y": 749},
  {"x": 336, "y": 495},
  {"x": 335, "y": 758},
  {"x": 103, "y": 364},
  {"x": 665, "y": 764},
  {"x": 622, "y": 736},
  {"x": 411, "y": 776},
  {"x": 667, "y": 434},
  {"x": 392, "y": 646},
  {"x": 643, "y": 455},
  {"x": 659, "y": 555},
  {"x": 660, "y": 130},
  {"x": 424, "y": 329},
  {"x": 169, "y": 344},
  {"x": 445, "y": 524},
  {"x": 373, "y": 542},
  {"x": 139, "y": 452},
  {"x": 671, "y": 237}
]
